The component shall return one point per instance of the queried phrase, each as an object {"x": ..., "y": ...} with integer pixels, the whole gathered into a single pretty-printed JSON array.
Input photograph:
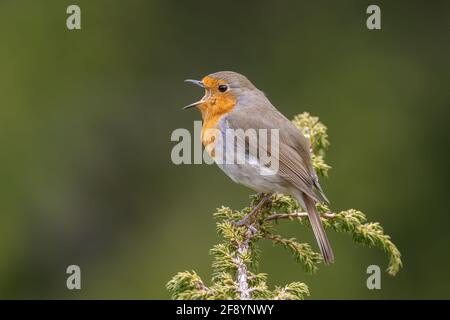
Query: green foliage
[
  {"x": 302, "y": 253},
  {"x": 188, "y": 285},
  {"x": 315, "y": 131},
  {"x": 292, "y": 291},
  {"x": 236, "y": 260},
  {"x": 319, "y": 164},
  {"x": 370, "y": 234}
]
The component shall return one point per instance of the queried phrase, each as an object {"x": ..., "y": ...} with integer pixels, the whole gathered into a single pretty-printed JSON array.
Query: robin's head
[{"x": 222, "y": 90}]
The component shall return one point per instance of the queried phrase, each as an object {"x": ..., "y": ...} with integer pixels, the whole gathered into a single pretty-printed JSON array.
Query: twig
[
  {"x": 243, "y": 247},
  {"x": 201, "y": 286},
  {"x": 242, "y": 270},
  {"x": 279, "y": 216}
]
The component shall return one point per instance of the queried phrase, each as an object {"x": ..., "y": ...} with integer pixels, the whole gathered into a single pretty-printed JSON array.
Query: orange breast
[{"x": 212, "y": 111}]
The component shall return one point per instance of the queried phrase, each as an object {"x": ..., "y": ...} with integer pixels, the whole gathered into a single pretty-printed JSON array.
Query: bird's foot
[{"x": 249, "y": 216}]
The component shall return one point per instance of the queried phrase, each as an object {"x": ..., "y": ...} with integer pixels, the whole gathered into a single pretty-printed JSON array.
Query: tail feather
[
  {"x": 319, "y": 232},
  {"x": 320, "y": 192}
]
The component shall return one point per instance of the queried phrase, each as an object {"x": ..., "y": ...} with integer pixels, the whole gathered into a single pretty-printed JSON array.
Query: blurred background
[{"x": 86, "y": 117}]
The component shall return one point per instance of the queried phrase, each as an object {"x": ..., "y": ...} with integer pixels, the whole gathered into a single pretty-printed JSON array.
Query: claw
[{"x": 246, "y": 219}]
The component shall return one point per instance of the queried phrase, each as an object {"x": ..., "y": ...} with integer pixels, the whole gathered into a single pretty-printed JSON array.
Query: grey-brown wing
[{"x": 293, "y": 156}]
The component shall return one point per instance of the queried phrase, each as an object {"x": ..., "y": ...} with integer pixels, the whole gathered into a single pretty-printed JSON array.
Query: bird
[{"x": 232, "y": 102}]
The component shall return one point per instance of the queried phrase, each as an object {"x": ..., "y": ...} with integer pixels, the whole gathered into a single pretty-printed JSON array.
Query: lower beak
[
  {"x": 200, "y": 84},
  {"x": 193, "y": 105}
]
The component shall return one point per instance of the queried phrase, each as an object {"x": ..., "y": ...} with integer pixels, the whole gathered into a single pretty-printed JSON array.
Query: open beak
[{"x": 200, "y": 84}]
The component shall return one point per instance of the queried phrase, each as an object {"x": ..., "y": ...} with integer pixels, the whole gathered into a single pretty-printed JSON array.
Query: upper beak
[
  {"x": 200, "y": 84},
  {"x": 197, "y": 82}
]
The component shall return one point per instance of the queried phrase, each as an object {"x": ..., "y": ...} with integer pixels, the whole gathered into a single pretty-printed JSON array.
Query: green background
[{"x": 86, "y": 117}]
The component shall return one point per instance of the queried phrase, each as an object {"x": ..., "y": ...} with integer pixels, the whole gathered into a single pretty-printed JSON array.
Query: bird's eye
[{"x": 223, "y": 88}]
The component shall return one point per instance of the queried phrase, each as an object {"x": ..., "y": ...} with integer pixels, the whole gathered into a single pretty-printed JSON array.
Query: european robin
[{"x": 231, "y": 101}]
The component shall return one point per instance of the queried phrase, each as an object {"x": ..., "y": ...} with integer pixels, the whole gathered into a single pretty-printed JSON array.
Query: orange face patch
[
  {"x": 212, "y": 83},
  {"x": 216, "y": 105}
]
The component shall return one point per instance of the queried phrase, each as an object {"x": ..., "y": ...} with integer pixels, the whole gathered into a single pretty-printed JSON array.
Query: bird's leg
[{"x": 245, "y": 220}]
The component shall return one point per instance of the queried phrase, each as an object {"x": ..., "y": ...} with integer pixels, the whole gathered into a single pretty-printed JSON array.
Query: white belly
[
  {"x": 251, "y": 177},
  {"x": 249, "y": 172}
]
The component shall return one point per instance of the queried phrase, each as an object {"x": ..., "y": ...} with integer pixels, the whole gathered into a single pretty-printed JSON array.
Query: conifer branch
[
  {"x": 242, "y": 270},
  {"x": 236, "y": 259},
  {"x": 294, "y": 215}
]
